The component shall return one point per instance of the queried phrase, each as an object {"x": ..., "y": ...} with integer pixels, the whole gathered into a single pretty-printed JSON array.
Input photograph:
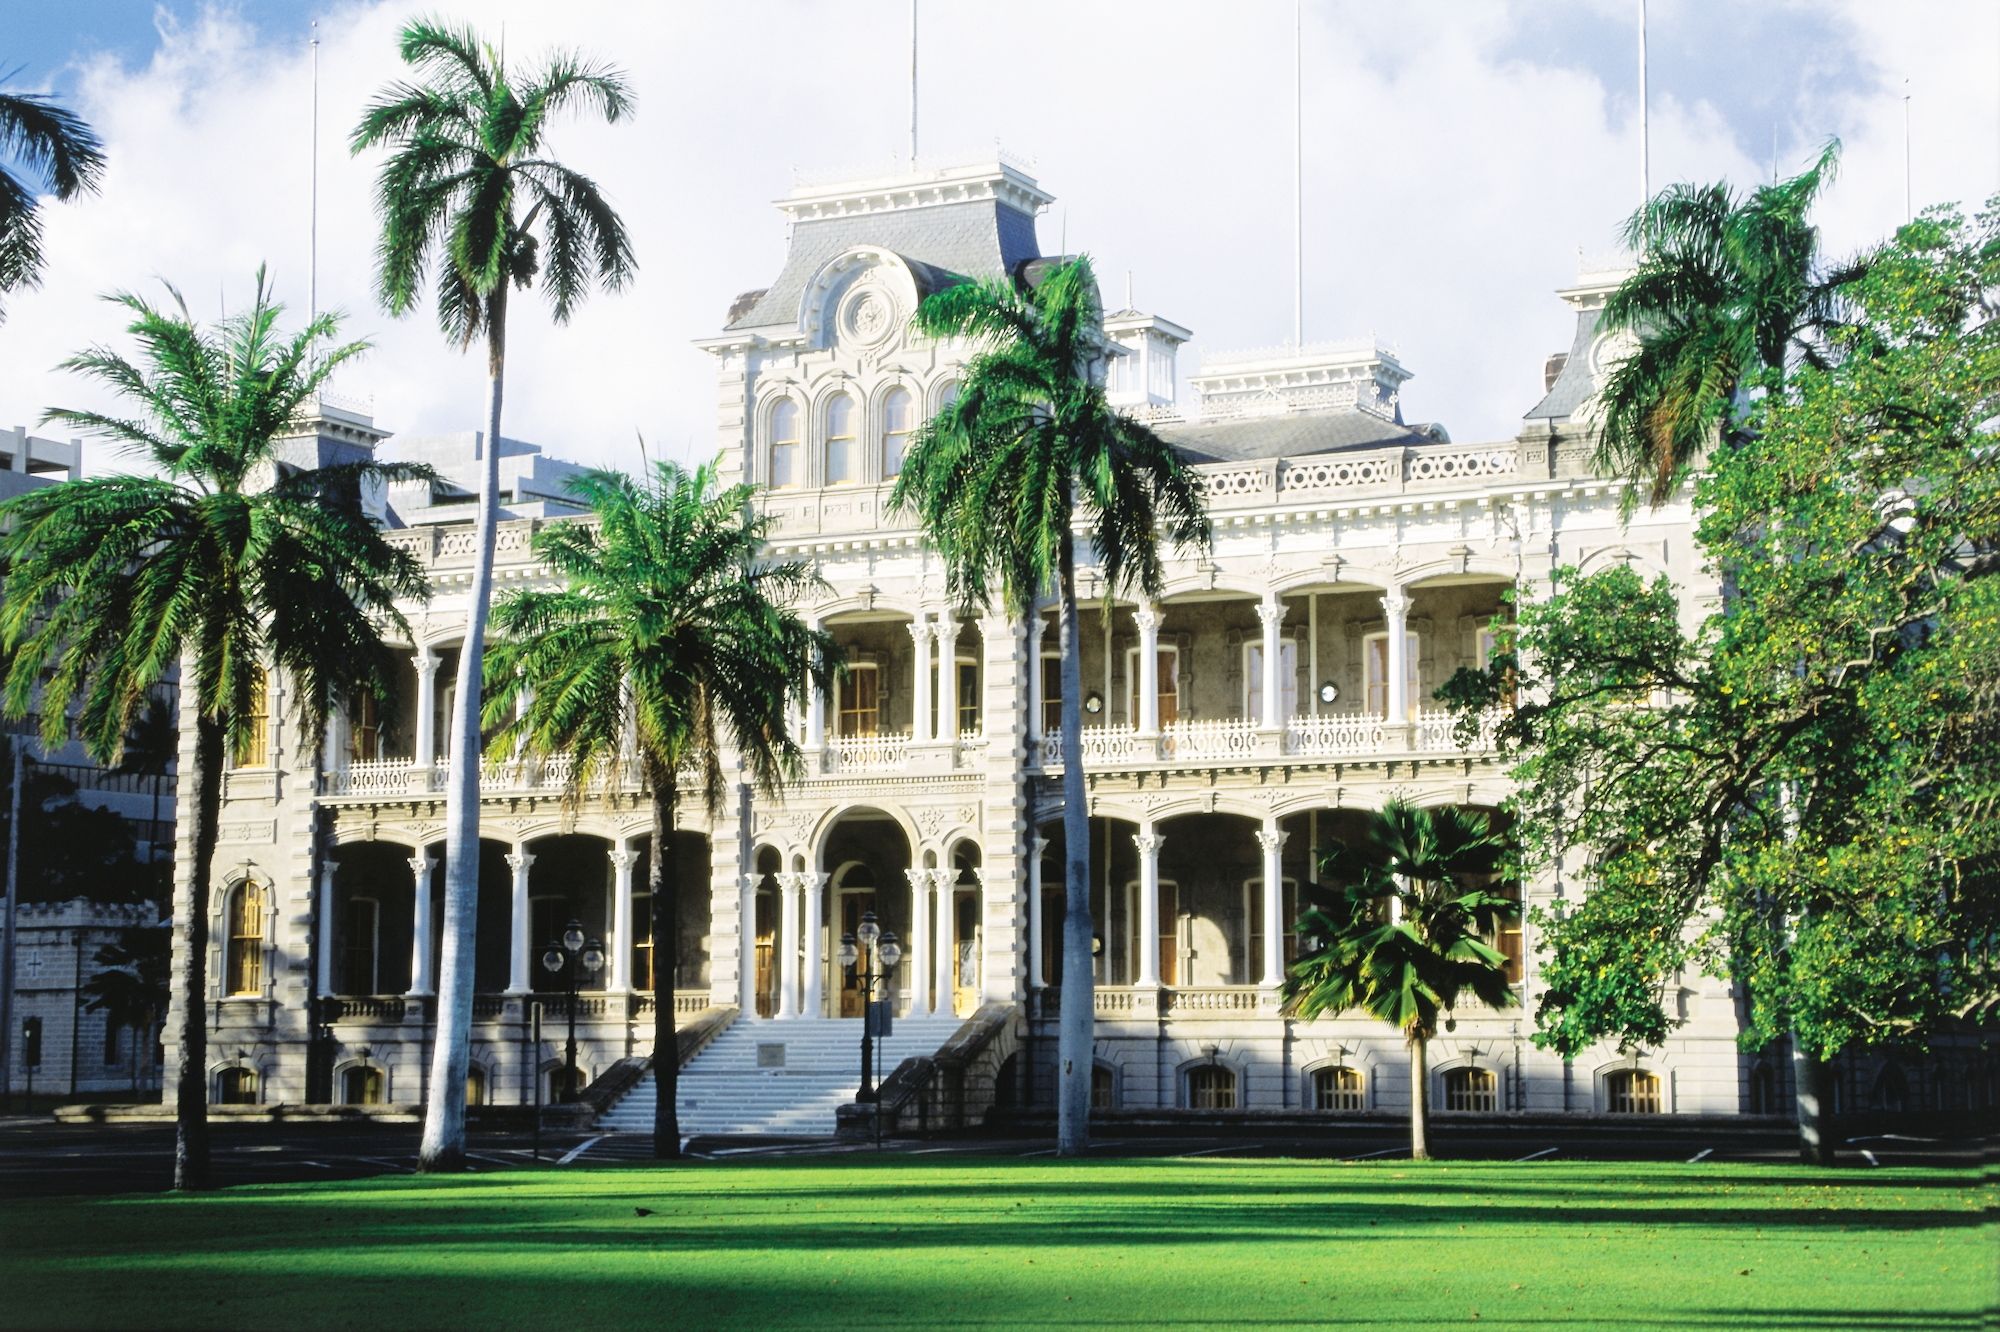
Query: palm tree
[
  {"x": 132, "y": 989},
  {"x": 226, "y": 562},
  {"x": 1727, "y": 292},
  {"x": 467, "y": 155},
  {"x": 997, "y": 479},
  {"x": 1409, "y": 963},
  {"x": 671, "y": 643},
  {"x": 54, "y": 143}
]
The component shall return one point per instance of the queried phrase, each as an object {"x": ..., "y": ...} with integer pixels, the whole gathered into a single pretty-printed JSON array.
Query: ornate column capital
[
  {"x": 1149, "y": 843},
  {"x": 918, "y": 878},
  {"x": 519, "y": 861},
  {"x": 946, "y": 628},
  {"x": 426, "y": 662},
  {"x": 814, "y": 879},
  {"x": 1147, "y": 618},
  {"x": 920, "y": 630},
  {"x": 421, "y": 865},
  {"x": 1271, "y": 612},
  {"x": 622, "y": 858},
  {"x": 1040, "y": 844},
  {"x": 1395, "y": 603},
  {"x": 1272, "y": 840},
  {"x": 943, "y": 879},
  {"x": 750, "y": 882}
]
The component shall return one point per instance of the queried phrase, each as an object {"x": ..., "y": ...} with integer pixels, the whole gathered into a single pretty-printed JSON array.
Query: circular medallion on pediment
[{"x": 868, "y": 314}]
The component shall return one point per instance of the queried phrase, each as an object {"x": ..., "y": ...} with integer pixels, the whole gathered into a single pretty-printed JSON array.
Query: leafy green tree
[
  {"x": 1405, "y": 936},
  {"x": 226, "y": 562},
  {"x": 69, "y": 849},
  {"x": 997, "y": 478},
  {"x": 671, "y": 645},
  {"x": 472, "y": 204},
  {"x": 66, "y": 158},
  {"x": 1798, "y": 793},
  {"x": 131, "y": 990},
  {"x": 1728, "y": 292}
]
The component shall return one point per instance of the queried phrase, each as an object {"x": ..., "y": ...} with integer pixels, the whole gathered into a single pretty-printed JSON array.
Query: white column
[
  {"x": 746, "y": 946},
  {"x": 1395, "y": 620},
  {"x": 917, "y": 948},
  {"x": 619, "y": 977},
  {"x": 1272, "y": 842},
  {"x": 1037, "y": 971},
  {"x": 420, "y": 950},
  {"x": 947, "y": 678},
  {"x": 425, "y": 747},
  {"x": 518, "y": 963},
  {"x": 1037, "y": 626},
  {"x": 815, "y": 707},
  {"x": 920, "y": 680},
  {"x": 788, "y": 946},
  {"x": 946, "y": 924},
  {"x": 813, "y": 884},
  {"x": 1148, "y": 620},
  {"x": 1271, "y": 613},
  {"x": 1148, "y": 843},
  {"x": 326, "y": 870}
]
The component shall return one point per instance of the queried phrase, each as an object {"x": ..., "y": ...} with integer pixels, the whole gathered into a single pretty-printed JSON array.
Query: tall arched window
[
  {"x": 899, "y": 418},
  {"x": 237, "y": 1086},
  {"x": 243, "y": 963},
  {"x": 1632, "y": 1091},
  {"x": 785, "y": 443},
  {"x": 842, "y": 460}
]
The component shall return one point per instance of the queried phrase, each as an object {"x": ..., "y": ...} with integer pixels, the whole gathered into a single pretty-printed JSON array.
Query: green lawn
[{"x": 945, "y": 1242}]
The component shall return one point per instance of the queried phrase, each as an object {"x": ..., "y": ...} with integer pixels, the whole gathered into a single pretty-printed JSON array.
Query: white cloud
[{"x": 1451, "y": 177}]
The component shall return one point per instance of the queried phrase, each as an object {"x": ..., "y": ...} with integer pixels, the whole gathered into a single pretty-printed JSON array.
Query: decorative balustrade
[
  {"x": 1386, "y": 470},
  {"x": 866, "y": 753},
  {"x": 1333, "y": 734},
  {"x": 1437, "y": 732},
  {"x": 498, "y": 775},
  {"x": 1223, "y": 1000},
  {"x": 371, "y": 1008},
  {"x": 380, "y": 777},
  {"x": 1227, "y": 738}
]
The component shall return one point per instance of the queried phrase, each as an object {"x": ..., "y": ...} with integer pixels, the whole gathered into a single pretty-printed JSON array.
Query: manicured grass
[{"x": 944, "y": 1242}]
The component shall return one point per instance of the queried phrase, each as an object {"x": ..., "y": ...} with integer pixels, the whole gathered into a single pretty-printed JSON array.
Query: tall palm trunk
[
  {"x": 1075, "y": 1054},
  {"x": 191, "y": 961},
  {"x": 663, "y": 880},
  {"x": 444, "y": 1115},
  {"x": 1420, "y": 1096}
]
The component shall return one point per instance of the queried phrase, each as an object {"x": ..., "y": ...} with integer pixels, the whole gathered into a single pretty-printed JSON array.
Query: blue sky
[{"x": 1459, "y": 156}]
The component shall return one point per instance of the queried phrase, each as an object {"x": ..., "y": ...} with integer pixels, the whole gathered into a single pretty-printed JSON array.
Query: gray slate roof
[
  {"x": 1290, "y": 436},
  {"x": 1574, "y": 385},
  {"x": 944, "y": 243}
]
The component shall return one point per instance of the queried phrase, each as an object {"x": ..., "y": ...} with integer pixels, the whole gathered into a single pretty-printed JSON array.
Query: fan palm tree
[
  {"x": 671, "y": 643},
  {"x": 131, "y": 990},
  {"x": 227, "y": 562},
  {"x": 997, "y": 479},
  {"x": 469, "y": 192},
  {"x": 1728, "y": 291},
  {"x": 1410, "y": 963},
  {"x": 55, "y": 144}
]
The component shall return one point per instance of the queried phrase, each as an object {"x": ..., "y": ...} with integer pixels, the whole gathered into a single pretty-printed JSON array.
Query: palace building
[{"x": 1279, "y": 689}]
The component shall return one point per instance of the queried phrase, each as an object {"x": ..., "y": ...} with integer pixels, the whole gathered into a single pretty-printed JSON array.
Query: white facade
[{"x": 1280, "y": 687}]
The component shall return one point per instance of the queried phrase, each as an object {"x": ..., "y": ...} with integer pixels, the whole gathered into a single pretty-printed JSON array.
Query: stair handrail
[{"x": 940, "y": 1078}]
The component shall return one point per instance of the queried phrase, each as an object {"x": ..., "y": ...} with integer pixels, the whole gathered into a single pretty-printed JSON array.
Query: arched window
[
  {"x": 785, "y": 443},
  {"x": 1211, "y": 1087},
  {"x": 475, "y": 1085},
  {"x": 1337, "y": 1089},
  {"x": 361, "y": 1085},
  {"x": 237, "y": 1086},
  {"x": 243, "y": 963},
  {"x": 899, "y": 418},
  {"x": 1103, "y": 1088},
  {"x": 1471, "y": 1089},
  {"x": 1632, "y": 1091},
  {"x": 841, "y": 454}
]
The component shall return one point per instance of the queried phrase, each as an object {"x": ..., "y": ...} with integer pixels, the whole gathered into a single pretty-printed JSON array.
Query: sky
[{"x": 1459, "y": 158}]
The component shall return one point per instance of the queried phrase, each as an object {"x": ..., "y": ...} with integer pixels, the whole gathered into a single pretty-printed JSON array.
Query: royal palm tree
[
  {"x": 227, "y": 562},
  {"x": 1404, "y": 936},
  {"x": 1728, "y": 291},
  {"x": 672, "y": 643},
  {"x": 997, "y": 478},
  {"x": 54, "y": 143},
  {"x": 472, "y": 205}
]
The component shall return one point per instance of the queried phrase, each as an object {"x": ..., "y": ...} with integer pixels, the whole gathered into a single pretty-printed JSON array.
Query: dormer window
[
  {"x": 841, "y": 455},
  {"x": 898, "y": 419},
  {"x": 785, "y": 444}
]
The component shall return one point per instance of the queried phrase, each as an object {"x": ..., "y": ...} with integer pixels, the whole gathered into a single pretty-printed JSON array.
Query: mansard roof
[
  {"x": 942, "y": 243},
  {"x": 1291, "y": 436}
]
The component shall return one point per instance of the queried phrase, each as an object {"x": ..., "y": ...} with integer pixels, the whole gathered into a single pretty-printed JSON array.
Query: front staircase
[{"x": 776, "y": 1078}]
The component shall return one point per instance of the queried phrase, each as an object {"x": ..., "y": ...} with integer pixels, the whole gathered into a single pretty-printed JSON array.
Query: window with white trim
[
  {"x": 1375, "y": 674},
  {"x": 1632, "y": 1091},
  {"x": 243, "y": 947},
  {"x": 785, "y": 444},
  {"x": 899, "y": 419},
  {"x": 842, "y": 452},
  {"x": 1338, "y": 1089},
  {"x": 1253, "y": 679},
  {"x": 1474, "y": 1090},
  {"x": 1167, "y": 662},
  {"x": 859, "y": 700}
]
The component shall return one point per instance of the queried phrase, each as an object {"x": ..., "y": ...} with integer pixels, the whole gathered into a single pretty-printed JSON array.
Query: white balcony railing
[
  {"x": 866, "y": 753},
  {"x": 1226, "y": 738},
  {"x": 1334, "y": 734}
]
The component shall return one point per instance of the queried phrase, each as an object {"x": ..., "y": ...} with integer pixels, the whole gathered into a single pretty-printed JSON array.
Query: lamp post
[
  {"x": 571, "y": 957},
  {"x": 872, "y": 954}
]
